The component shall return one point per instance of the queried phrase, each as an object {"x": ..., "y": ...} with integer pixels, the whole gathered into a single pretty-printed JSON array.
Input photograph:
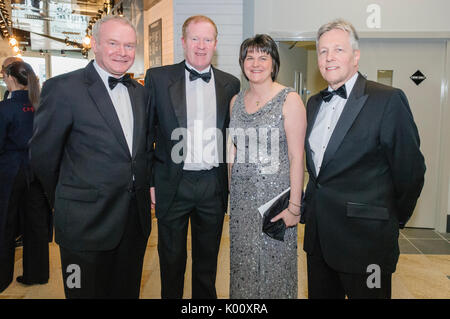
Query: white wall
[
  {"x": 227, "y": 15},
  {"x": 291, "y": 16},
  {"x": 162, "y": 10},
  {"x": 300, "y": 19}
]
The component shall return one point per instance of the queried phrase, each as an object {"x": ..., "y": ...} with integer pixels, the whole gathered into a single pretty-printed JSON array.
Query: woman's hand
[
  {"x": 152, "y": 197},
  {"x": 288, "y": 217}
]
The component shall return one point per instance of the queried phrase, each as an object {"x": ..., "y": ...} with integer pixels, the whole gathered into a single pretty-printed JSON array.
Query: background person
[
  {"x": 20, "y": 220},
  {"x": 16, "y": 126}
]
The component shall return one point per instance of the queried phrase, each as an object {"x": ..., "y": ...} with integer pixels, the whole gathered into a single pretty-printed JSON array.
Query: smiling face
[
  {"x": 258, "y": 66},
  {"x": 199, "y": 44},
  {"x": 115, "y": 47},
  {"x": 337, "y": 60}
]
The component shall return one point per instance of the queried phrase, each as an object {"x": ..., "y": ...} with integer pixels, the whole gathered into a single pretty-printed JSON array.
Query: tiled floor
[
  {"x": 424, "y": 241},
  {"x": 423, "y": 270}
]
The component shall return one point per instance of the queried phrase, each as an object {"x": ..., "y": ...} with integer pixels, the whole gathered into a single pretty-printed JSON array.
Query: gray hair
[
  {"x": 98, "y": 24},
  {"x": 341, "y": 25}
]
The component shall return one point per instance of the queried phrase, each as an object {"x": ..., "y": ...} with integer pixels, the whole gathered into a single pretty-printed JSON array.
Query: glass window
[
  {"x": 38, "y": 65},
  {"x": 385, "y": 77},
  {"x": 62, "y": 65}
]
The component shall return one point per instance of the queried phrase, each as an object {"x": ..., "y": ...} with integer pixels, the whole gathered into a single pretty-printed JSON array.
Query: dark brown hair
[
  {"x": 263, "y": 43},
  {"x": 24, "y": 74}
]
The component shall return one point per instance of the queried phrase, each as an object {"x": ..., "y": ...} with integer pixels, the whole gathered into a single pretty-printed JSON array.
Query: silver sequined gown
[{"x": 260, "y": 267}]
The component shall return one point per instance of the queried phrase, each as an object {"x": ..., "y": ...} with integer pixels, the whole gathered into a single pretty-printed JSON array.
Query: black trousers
[
  {"x": 36, "y": 236},
  {"x": 107, "y": 274},
  {"x": 7, "y": 241},
  {"x": 198, "y": 198},
  {"x": 327, "y": 283}
]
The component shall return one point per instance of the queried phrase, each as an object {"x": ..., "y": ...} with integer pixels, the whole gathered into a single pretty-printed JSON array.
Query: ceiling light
[
  {"x": 87, "y": 41},
  {"x": 12, "y": 41}
]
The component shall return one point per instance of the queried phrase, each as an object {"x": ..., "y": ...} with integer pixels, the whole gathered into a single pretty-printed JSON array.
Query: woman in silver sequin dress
[{"x": 267, "y": 131}]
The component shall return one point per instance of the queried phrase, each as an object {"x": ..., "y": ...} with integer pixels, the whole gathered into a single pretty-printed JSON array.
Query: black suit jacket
[
  {"x": 369, "y": 182},
  {"x": 79, "y": 153},
  {"x": 167, "y": 89}
]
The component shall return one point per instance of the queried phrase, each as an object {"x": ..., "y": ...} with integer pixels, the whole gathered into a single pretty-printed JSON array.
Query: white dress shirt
[
  {"x": 325, "y": 123},
  {"x": 201, "y": 153},
  {"x": 122, "y": 104}
]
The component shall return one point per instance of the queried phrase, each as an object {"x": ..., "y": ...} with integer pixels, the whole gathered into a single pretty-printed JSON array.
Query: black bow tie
[
  {"x": 125, "y": 80},
  {"x": 194, "y": 75},
  {"x": 328, "y": 95}
]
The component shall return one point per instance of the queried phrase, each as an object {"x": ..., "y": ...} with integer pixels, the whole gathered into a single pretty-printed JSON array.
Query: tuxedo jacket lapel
[
  {"x": 138, "y": 119},
  {"x": 177, "y": 92},
  {"x": 102, "y": 100},
  {"x": 222, "y": 109},
  {"x": 351, "y": 110},
  {"x": 221, "y": 96},
  {"x": 314, "y": 106}
]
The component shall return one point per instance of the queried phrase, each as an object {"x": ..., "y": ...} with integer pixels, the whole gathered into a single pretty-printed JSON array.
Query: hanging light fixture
[
  {"x": 87, "y": 41},
  {"x": 5, "y": 22},
  {"x": 12, "y": 41}
]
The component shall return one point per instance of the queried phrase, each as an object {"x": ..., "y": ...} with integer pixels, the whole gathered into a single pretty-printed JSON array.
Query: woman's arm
[
  {"x": 231, "y": 149},
  {"x": 294, "y": 114}
]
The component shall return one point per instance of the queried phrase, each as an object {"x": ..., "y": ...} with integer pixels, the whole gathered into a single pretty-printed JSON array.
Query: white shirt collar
[
  {"x": 348, "y": 85},
  {"x": 104, "y": 75}
]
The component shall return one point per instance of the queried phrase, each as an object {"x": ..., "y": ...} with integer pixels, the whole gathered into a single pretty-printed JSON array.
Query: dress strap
[
  {"x": 238, "y": 103},
  {"x": 284, "y": 95}
]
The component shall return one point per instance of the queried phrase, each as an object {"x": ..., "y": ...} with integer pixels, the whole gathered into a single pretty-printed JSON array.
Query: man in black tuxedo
[
  {"x": 189, "y": 105},
  {"x": 366, "y": 173},
  {"x": 89, "y": 149}
]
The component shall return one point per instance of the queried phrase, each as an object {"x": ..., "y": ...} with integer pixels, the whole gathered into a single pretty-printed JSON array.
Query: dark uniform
[{"x": 16, "y": 126}]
